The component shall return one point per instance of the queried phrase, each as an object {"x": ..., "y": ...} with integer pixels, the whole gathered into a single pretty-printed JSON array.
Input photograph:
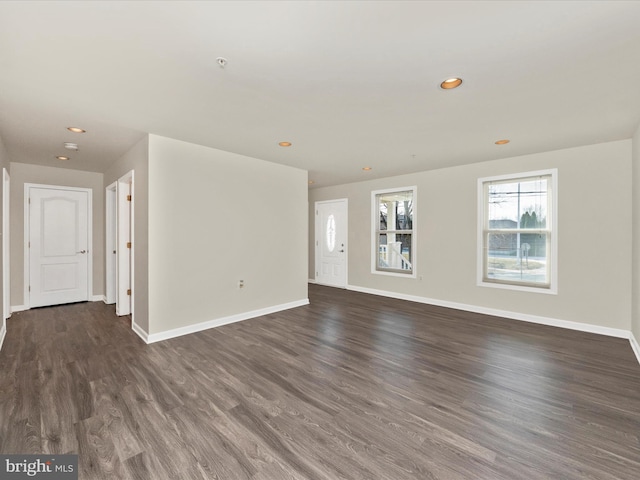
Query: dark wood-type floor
[{"x": 351, "y": 387}]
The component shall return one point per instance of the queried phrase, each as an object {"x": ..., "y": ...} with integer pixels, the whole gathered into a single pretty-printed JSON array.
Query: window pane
[
  {"x": 396, "y": 210},
  {"x": 382, "y": 251},
  {"x": 517, "y": 258},
  {"x": 383, "y": 215},
  {"x": 533, "y": 244},
  {"x": 394, "y": 251},
  {"x": 518, "y": 204},
  {"x": 405, "y": 250}
]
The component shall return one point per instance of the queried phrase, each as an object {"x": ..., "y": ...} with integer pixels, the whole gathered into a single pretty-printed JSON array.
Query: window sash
[
  {"x": 394, "y": 257},
  {"x": 515, "y": 180},
  {"x": 512, "y": 281}
]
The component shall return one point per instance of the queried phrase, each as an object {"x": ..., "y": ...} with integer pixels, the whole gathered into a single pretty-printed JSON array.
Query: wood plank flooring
[{"x": 350, "y": 387}]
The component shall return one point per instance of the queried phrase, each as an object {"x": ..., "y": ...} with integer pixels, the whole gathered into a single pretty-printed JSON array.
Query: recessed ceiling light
[
  {"x": 285, "y": 144},
  {"x": 62, "y": 157},
  {"x": 450, "y": 83},
  {"x": 311, "y": 182},
  {"x": 502, "y": 142},
  {"x": 366, "y": 169},
  {"x": 76, "y": 130}
]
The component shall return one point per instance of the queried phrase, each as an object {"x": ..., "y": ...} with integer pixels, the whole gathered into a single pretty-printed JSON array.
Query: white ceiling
[{"x": 350, "y": 84}]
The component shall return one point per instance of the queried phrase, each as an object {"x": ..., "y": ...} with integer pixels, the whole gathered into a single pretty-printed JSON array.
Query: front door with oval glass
[{"x": 331, "y": 243}]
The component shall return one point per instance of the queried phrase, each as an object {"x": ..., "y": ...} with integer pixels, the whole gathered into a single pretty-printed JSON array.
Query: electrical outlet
[{"x": 241, "y": 284}]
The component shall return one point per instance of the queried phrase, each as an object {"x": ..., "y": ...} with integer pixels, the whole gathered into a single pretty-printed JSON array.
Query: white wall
[
  {"x": 22, "y": 173},
  {"x": 215, "y": 218},
  {"x": 137, "y": 159},
  {"x": 594, "y": 235}
]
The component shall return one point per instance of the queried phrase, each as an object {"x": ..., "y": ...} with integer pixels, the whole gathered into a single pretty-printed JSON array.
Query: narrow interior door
[{"x": 58, "y": 246}]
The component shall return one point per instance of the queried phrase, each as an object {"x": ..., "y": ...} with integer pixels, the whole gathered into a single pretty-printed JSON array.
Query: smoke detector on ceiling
[
  {"x": 71, "y": 146},
  {"x": 221, "y": 61}
]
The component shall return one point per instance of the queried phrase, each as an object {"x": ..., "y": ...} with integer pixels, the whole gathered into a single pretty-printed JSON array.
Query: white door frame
[
  {"x": 6, "y": 277},
  {"x": 111, "y": 229},
  {"x": 318, "y": 232},
  {"x": 125, "y": 256},
  {"x": 27, "y": 236}
]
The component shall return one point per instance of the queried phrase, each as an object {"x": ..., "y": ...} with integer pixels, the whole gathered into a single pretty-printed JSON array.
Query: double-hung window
[
  {"x": 518, "y": 232},
  {"x": 393, "y": 222}
]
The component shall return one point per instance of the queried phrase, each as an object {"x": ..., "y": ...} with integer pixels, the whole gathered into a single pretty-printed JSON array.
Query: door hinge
[
  {"x": 128, "y": 198},
  {"x": 129, "y": 292},
  {"x": 29, "y": 287},
  {"x": 29, "y": 244},
  {"x": 128, "y": 244},
  {"x": 316, "y": 212},
  {"x": 29, "y": 200}
]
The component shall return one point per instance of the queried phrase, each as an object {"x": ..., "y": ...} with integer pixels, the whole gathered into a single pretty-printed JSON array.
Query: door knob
[{"x": 82, "y": 251}]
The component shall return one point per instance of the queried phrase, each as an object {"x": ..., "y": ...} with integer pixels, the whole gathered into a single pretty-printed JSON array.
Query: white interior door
[
  {"x": 124, "y": 246},
  {"x": 111, "y": 241},
  {"x": 58, "y": 245},
  {"x": 331, "y": 243}
]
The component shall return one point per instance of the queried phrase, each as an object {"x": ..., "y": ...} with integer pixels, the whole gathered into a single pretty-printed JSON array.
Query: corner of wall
[
  {"x": 3, "y": 332},
  {"x": 205, "y": 275},
  {"x": 198, "y": 327},
  {"x": 140, "y": 332},
  {"x": 635, "y": 346}
]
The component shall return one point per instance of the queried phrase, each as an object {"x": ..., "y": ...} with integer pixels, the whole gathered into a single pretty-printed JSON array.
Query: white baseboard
[
  {"x": 93, "y": 298},
  {"x": 634, "y": 346},
  {"x": 22, "y": 308},
  {"x": 312, "y": 281},
  {"x": 140, "y": 332},
  {"x": 3, "y": 333},
  {"x": 554, "y": 322},
  {"x": 218, "y": 322}
]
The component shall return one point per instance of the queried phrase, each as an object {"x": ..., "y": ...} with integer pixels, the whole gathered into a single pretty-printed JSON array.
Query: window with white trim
[
  {"x": 393, "y": 231},
  {"x": 518, "y": 231}
]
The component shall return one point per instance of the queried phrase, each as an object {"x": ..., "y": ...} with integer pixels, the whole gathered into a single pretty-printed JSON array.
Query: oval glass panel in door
[{"x": 331, "y": 233}]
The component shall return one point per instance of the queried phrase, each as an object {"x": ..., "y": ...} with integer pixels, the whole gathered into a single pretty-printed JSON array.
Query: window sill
[
  {"x": 394, "y": 274},
  {"x": 506, "y": 286}
]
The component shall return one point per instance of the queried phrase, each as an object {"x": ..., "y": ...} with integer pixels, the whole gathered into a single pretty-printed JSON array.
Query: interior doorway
[{"x": 331, "y": 242}]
